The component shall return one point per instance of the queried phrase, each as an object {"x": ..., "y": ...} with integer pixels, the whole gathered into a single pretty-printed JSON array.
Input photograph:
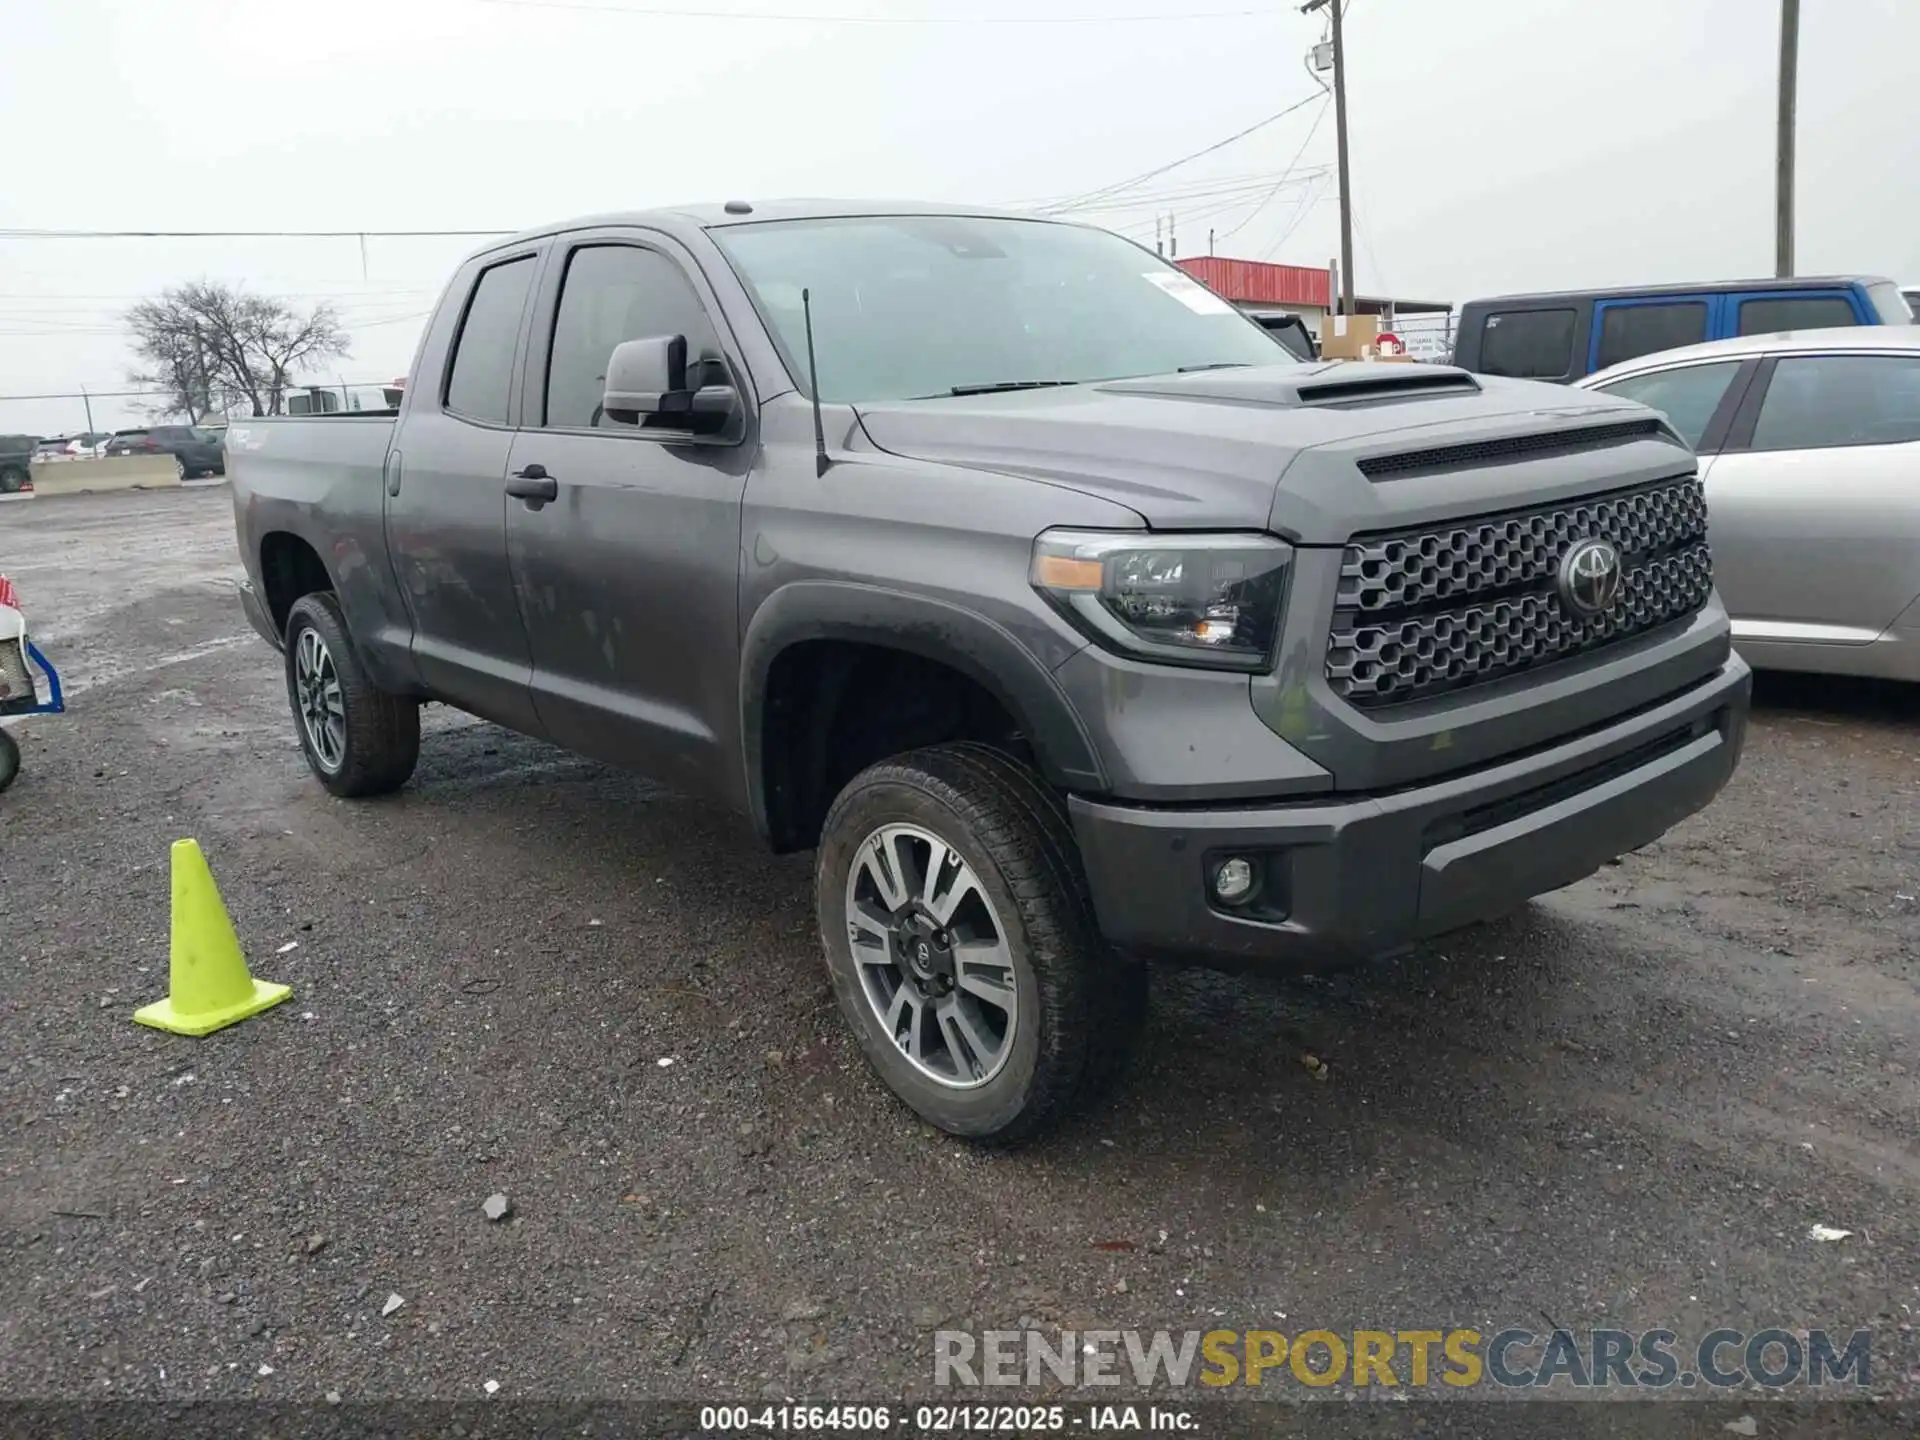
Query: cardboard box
[{"x": 1348, "y": 337}]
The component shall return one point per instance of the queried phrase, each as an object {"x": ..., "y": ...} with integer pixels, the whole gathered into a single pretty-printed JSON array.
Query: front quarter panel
[{"x": 927, "y": 558}]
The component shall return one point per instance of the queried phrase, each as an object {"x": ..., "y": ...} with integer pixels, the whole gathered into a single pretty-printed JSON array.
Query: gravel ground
[{"x": 1626, "y": 1106}]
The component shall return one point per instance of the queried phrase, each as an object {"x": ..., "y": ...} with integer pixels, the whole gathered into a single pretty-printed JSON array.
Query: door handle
[{"x": 533, "y": 484}]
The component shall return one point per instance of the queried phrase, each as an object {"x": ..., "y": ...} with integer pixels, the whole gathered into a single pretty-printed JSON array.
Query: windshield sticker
[{"x": 1189, "y": 292}]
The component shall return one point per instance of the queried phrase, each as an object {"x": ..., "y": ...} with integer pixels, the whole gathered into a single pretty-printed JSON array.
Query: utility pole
[
  {"x": 1784, "y": 143},
  {"x": 1335, "y": 7},
  {"x": 87, "y": 400}
]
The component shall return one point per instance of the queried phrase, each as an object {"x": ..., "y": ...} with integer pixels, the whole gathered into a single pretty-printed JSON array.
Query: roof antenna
[{"x": 820, "y": 460}]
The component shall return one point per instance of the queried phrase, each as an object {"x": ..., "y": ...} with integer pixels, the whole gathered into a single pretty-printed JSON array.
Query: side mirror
[{"x": 650, "y": 383}]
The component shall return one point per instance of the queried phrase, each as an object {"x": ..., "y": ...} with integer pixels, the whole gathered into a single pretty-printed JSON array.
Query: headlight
[{"x": 1211, "y": 600}]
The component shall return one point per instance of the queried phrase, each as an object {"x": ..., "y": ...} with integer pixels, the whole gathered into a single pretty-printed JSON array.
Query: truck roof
[
  {"x": 1691, "y": 287},
  {"x": 715, "y": 215}
]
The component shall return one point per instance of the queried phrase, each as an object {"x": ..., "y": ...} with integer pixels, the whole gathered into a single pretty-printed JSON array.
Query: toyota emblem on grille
[{"x": 1590, "y": 577}]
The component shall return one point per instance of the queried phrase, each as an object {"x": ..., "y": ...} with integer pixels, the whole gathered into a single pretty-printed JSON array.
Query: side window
[
  {"x": 481, "y": 375},
  {"x": 1794, "y": 312},
  {"x": 614, "y": 293},
  {"x": 1819, "y": 401},
  {"x": 1528, "y": 344},
  {"x": 1687, "y": 397},
  {"x": 1630, "y": 331}
]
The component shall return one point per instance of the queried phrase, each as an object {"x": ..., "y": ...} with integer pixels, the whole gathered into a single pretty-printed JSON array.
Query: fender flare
[{"x": 937, "y": 630}]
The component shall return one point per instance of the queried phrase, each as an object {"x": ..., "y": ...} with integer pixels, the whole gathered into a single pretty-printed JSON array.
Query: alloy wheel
[
  {"x": 932, "y": 955},
  {"x": 322, "y": 713}
]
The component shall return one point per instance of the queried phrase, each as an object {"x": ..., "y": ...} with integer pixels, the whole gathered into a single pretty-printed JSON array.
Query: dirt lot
[{"x": 1627, "y": 1106}]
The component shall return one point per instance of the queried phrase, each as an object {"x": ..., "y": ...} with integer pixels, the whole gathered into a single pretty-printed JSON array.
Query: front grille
[{"x": 1422, "y": 612}]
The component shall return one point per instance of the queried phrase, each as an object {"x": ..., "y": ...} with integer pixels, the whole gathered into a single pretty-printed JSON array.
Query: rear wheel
[
  {"x": 12, "y": 478},
  {"x": 358, "y": 739},
  {"x": 180, "y": 468},
  {"x": 9, "y": 759},
  {"x": 962, "y": 945}
]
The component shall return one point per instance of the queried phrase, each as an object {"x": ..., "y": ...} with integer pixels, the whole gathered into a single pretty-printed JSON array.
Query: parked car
[
  {"x": 1568, "y": 334},
  {"x": 1292, "y": 333},
  {"x": 196, "y": 449},
  {"x": 1810, "y": 448},
  {"x": 16, "y": 462},
  {"x": 66, "y": 447},
  {"x": 1064, "y": 624}
]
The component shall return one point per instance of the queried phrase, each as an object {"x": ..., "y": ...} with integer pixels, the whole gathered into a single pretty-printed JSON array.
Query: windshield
[{"x": 913, "y": 306}]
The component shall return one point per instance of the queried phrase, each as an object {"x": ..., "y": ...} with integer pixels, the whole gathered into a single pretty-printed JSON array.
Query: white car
[{"x": 1809, "y": 446}]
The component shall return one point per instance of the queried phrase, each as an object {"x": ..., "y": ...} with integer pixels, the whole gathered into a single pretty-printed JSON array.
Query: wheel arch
[
  {"x": 290, "y": 567},
  {"x": 932, "y": 630}
]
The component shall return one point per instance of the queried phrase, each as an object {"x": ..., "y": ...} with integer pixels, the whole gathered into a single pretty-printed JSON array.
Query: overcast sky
[{"x": 1497, "y": 144}]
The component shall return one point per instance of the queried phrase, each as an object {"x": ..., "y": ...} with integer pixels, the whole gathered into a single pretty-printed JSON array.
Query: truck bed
[{"x": 324, "y": 460}]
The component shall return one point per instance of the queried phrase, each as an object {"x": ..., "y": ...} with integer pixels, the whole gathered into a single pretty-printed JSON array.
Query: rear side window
[
  {"x": 1687, "y": 396},
  {"x": 1817, "y": 402},
  {"x": 481, "y": 374},
  {"x": 1630, "y": 331},
  {"x": 1528, "y": 344},
  {"x": 1795, "y": 312}
]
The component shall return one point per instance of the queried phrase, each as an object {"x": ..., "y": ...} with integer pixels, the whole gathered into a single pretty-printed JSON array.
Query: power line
[
  {"x": 1188, "y": 194},
  {"x": 12, "y": 234},
  {"x": 160, "y": 394},
  {"x": 1307, "y": 202},
  {"x": 1312, "y": 129},
  {"x": 688, "y": 13},
  {"x": 1107, "y": 190}
]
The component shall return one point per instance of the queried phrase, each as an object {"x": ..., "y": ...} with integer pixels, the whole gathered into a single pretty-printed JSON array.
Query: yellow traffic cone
[{"x": 209, "y": 988}]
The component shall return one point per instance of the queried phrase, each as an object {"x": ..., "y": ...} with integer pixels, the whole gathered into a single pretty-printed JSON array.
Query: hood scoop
[{"x": 1340, "y": 384}]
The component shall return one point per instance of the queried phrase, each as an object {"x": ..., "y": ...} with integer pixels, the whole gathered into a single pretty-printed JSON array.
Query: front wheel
[
  {"x": 358, "y": 739},
  {"x": 9, "y": 759},
  {"x": 962, "y": 946}
]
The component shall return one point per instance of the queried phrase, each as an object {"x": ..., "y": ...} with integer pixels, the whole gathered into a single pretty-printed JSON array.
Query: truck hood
[{"x": 1296, "y": 449}]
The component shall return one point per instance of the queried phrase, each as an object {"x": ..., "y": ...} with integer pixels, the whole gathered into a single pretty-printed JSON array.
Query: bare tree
[{"x": 215, "y": 348}]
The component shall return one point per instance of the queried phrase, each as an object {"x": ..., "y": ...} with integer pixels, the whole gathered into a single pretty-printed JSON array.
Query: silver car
[{"x": 1809, "y": 445}]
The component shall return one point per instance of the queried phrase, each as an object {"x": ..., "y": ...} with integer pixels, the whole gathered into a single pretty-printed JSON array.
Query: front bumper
[
  {"x": 256, "y": 613},
  {"x": 1370, "y": 876}
]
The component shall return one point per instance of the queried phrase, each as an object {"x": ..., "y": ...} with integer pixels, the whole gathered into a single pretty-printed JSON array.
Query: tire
[
  {"x": 9, "y": 759},
  {"x": 12, "y": 477},
  {"x": 1076, "y": 1004},
  {"x": 180, "y": 468},
  {"x": 360, "y": 741}
]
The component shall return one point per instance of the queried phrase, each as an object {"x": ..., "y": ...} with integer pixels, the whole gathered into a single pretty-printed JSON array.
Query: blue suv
[{"x": 1572, "y": 333}]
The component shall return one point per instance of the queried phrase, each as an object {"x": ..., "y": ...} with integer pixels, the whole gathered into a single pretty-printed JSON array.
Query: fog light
[{"x": 1233, "y": 881}]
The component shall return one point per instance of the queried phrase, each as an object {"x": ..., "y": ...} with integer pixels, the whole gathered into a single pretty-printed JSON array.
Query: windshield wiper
[
  {"x": 1002, "y": 385},
  {"x": 1216, "y": 365}
]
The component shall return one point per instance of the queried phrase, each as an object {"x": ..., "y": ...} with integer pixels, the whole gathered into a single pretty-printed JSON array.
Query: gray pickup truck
[{"x": 998, "y": 563}]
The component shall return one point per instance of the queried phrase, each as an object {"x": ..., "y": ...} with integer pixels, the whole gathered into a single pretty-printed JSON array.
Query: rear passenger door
[
  {"x": 1815, "y": 501},
  {"x": 446, "y": 505},
  {"x": 629, "y": 575},
  {"x": 1647, "y": 324}
]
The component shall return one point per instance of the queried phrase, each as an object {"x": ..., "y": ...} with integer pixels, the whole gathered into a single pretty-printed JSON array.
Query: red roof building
[{"x": 1261, "y": 287}]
